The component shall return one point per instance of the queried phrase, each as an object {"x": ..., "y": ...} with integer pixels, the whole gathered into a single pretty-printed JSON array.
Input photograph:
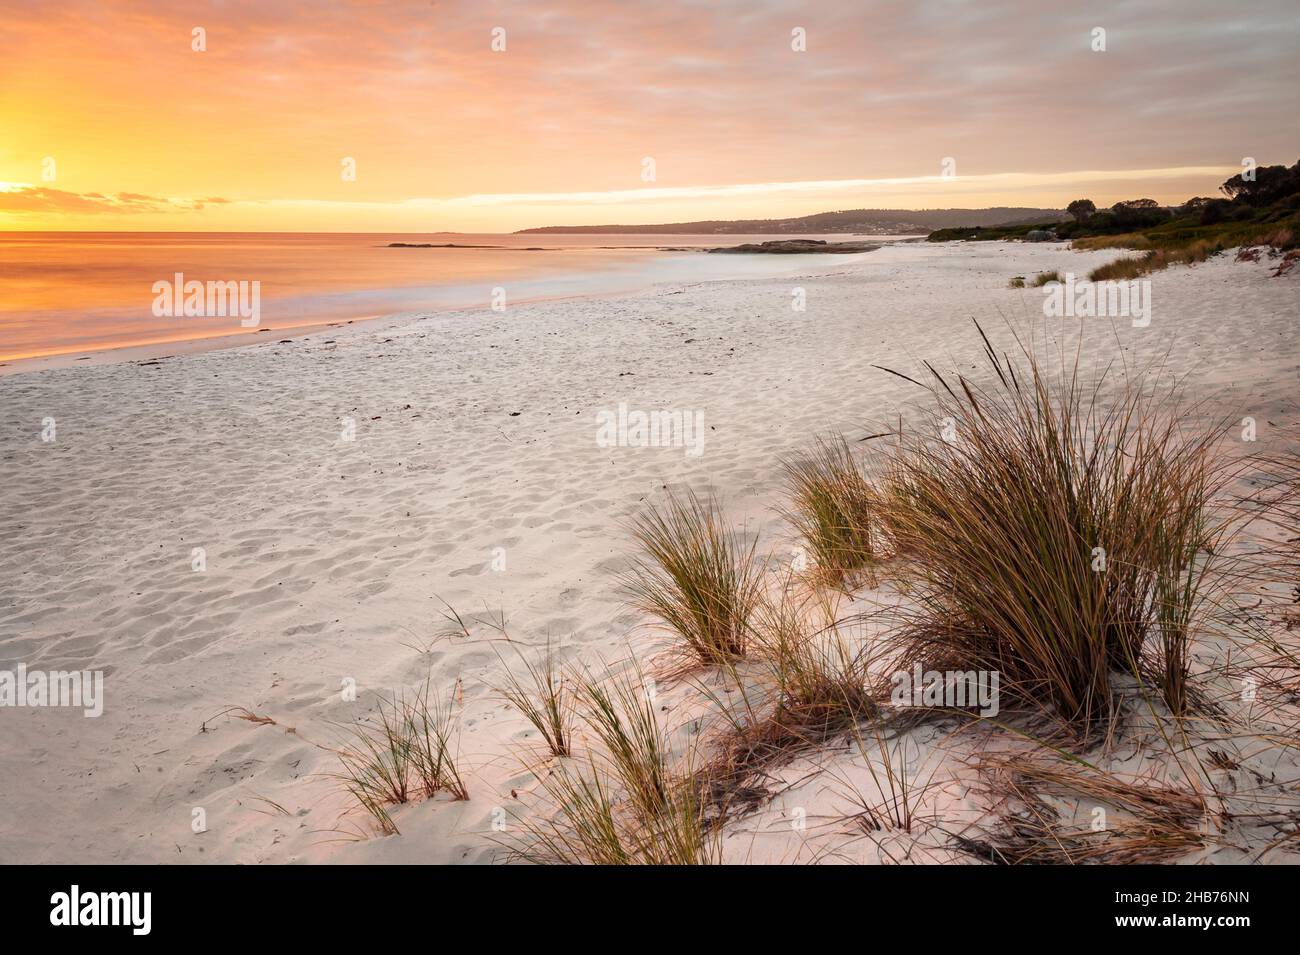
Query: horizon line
[{"x": 607, "y": 207}]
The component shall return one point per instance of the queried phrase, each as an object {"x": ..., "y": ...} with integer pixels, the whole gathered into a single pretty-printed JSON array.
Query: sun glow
[{"x": 131, "y": 127}]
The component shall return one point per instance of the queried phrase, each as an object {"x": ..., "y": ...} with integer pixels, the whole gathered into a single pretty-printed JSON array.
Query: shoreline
[{"x": 581, "y": 284}]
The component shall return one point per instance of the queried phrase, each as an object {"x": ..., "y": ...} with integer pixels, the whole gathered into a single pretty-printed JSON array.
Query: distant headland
[{"x": 851, "y": 221}]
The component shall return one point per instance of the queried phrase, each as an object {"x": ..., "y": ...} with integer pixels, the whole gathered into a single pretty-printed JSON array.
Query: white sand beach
[{"x": 349, "y": 486}]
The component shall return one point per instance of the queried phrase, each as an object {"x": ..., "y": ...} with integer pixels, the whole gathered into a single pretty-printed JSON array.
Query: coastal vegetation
[
  {"x": 833, "y": 508},
  {"x": 407, "y": 752},
  {"x": 1071, "y": 534},
  {"x": 697, "y": 576},
  {"x": 1074, "y": 544},
  {"x": 1108, "y": 511},
  {"x": 1263, "y": 210}
]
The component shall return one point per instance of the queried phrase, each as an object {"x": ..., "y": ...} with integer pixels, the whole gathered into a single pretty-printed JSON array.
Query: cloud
[
  {"x": 492, "y": 212},
  {"x": 586, "y": 89},
  {"x": 26, "y": 198}
]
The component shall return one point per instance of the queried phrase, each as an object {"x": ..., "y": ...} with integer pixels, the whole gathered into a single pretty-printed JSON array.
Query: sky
[{"x": 113, "y": 117}]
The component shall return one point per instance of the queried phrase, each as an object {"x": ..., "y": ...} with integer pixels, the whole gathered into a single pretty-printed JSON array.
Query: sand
[{"x": 474, "y": 479}]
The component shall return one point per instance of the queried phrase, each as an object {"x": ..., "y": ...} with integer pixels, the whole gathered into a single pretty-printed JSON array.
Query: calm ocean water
[{"x": 74, "y": 293}]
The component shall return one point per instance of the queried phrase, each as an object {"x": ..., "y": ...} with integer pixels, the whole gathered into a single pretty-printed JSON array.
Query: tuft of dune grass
[
  {"x": 1057, "y": 539},
  {"x": 624, "y": 805},
  {"x": 1043, "y": 278},
  {"x": 696, "y": 575},
  {"x": 833, "y": 508},
  {"x": 408, "y": 752},
  {"x": 622, "y": 717},
  {"x": 813, "y": 685},
  {"x": 545, "y": 700}
]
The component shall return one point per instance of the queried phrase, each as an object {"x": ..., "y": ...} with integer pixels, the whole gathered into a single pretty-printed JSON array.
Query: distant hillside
[{"x": 864, "y": 221}]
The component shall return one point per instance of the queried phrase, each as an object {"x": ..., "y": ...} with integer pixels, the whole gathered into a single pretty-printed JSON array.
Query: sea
[{"x": 79, "y": 294}]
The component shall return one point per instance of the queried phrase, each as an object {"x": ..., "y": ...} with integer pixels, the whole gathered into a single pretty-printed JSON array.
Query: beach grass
[
  {"x": 812, "y": 686},
  {"x": 408, "y": 752},
  {"x": 544, "y": 697},
  {"x": 696, "y": 575},
  {"x": 819, "y": 675},
  {"x": 622, "y": 717},
  {"x": 895, "y": 773},
  {"x": 623, "y": 805},
  {"x": 1058, "y": 539},
  {"x": 1130, "y": 267},
  {"x": 1127, "y": 240},
  {"x": 833, "y": 509}
]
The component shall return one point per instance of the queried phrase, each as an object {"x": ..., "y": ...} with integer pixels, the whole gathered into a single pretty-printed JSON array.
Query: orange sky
[{"x": 146, "y": 133}]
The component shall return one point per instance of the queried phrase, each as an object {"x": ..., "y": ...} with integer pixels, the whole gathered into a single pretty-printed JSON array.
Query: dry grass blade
[
  {"x": 815, "y": 689},
  {"x": 1125, "y": 822}
]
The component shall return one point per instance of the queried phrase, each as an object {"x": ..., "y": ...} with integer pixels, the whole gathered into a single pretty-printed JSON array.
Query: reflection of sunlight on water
[{"x": 74, "y": 293}]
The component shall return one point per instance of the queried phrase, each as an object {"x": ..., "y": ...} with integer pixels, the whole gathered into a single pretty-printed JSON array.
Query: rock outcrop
[{"x": 800, "y": 247}]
